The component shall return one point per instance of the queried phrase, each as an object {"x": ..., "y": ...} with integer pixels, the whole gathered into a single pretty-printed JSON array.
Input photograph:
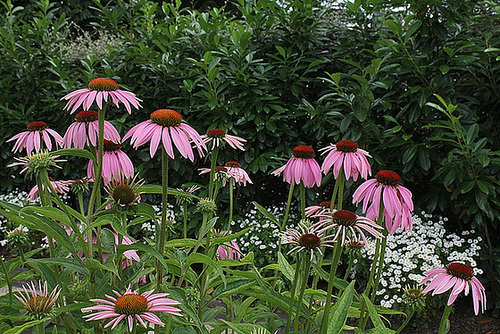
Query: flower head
[
  {"x": 219, "y": 175},
  {"x": 346, "y": 155},
  {"x": 302, "y": 167},
  {"x": 33, "y": 139},
  {"x": 131, "y": 307},
  {"x": 166, "y": 125},
  {"x": 85, "y": 131},
  {"x": 456, "y": 277},
  {"x": 100, "y": 90},
  {"x": 216, "y": 136},
  {"x": 353, "y": 246},
  {"x": 188, "y": 197},
  {"x": 236, "y": 174},
  {"x": 318, "y": 210},
  {"x": 348, "y": 223},
  {"x": 35, "y": 162},
  {"x": 61, "y": 187},
  {"x": 125, "y": 191},
  {"x": 396, "y": 200},
  {"x": 413, "y": 296},
  {"x": 307, "y": 238},
  {"x": 18, "y": 236},
  {"x": 115, "y": 163},
  {"x": 228, "y": 250},
  {"x": 79, "y": 185},
  {"x": 37, "y": 301}
]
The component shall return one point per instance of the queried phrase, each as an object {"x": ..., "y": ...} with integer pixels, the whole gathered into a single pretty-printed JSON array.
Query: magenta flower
[
  {"x": 456, "y": 277},
  {"x": 346, "y": 154},
  {"x": 307, "y": 238},
  {"x": 37, "y": 134},
  {"x": 166, "y": 125},
  {"x": 301, "y": 168},
  {"x": 216, "y": 136},
  {"x": 220, "y": 172},
  {"x": 100, "y": 90},
  {"x": 227, "y": 250},
  {"x": 318, "y": 210},
  {"x": 86, "y": 131},
  {"x": 132, "y": 307},
  {"x": 396, "y": 199},
  {"x": 348, "y": 223},
  {"x": 61, "y": 187},
  {"x": 115, "y": 163},
  {"x": 236, "y": 174}
]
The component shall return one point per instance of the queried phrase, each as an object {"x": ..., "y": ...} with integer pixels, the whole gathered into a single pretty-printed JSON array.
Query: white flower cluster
[
  {"x": 410, "y": 254},
  {"x": 16, "y": 197},
  {"x": 149, "y": 226}
]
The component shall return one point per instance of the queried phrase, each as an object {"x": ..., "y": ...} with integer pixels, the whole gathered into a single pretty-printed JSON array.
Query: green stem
[
  {"x": 8, "y": 280},
  {"x": 337, "y": 251},
  {"x": 80, "y": 203},
  {"x": 41, "y": 328},
  {"x": 407, "y": 321},
  {"x": 341, "y": 182},
  {"x": 231, "y": 203},
  {"x": 163, "y": 226},
  {"x": 349, "y": 267},
  {"x": 211, "y": 193},
  {"x": 287, "y": 210},
  {"x": 306, "y": 268},
  {"x": 185, "y": 219},
  {"x": 302, "y": 200},
  {"x": 380, "y": 266},
  {"x": 292, "y": 294},
  {"x": 21, "y": 253},
  {"x": 444, "y": 327}
]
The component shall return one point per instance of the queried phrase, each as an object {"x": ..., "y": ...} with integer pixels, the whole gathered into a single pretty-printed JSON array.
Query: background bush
[{"x": 280, "y": 76}]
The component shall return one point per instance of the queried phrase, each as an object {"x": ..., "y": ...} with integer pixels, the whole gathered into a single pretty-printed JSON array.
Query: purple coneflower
[
  {"x": 166, "y": 125},
  {"x": 216, "y": 136},
  {"x": 125, "y": 191},
  {"x": 318, "y": 210},
  {"x": 307, "y": 238},
  {"x": 32, "y": 139},
  {"x": 61, "y": 187},
  {"x": 458, "y": 277},
  {"x": 396, "y": 199},
  {"x": 132, "y": 307},
  {"x": 346, "y": 154},
  {"x": 100, "y": 90},
  {"x": 348, "y": 222},
  {"x": 37, "y": 301},
  {"x": 86, "y": 131},
  {"x": 220, "y": 172},
  {"x": 235, "y": 174},
  {"x": 228, "y": 250},
  {"x": 301, "y": 168},
  {"x": 115, "y": 163}
]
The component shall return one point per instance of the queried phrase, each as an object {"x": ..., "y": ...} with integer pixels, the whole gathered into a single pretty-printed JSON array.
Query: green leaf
[
  {"x": 181, "y": 243},
  {"x": 472, "y": 133},
  {"x": 444, "y": 69},
  {"x": 157, "y": 189},
  {"x": 338, "y": 317},
  {"x": 394, "y": 26},
  {"x": 281, "y": 51},
  {"x": 76, "y": 152},
  {"x": 285, "y": 267},
  {"x": 412, "y": 29},
  {"x": 23, "y": 327},
  {"x": 376, "y": 320},
  {"x": 144, "y": 248},
  {"x": 207, "y": 227},
  {"x": 409, "y": 154},
  {"x": 68, "y": 263},
  {"x": 202, "y": 258},
  {"x": 266, "y": 213}
]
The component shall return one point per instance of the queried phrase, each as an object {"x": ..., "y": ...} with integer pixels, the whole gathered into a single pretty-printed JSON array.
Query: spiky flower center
[
  {"x": 87, "y": 116},
  {"x": 460, "y": 270},
  {"x": 303, "y": 152},
  {"x": 109, "y": 146},
  {"x": 216, "y": 133},
  {"x": 325, "y": 204},
  {"x": 413, "y": 293},
  {"x": 103, "y": 84},
  {"x": 309, "y": 240},
  {"x": 166, "y": 117},
  {"x": 220, "y": 169},
  {"x": 123, "y": 193},
  {"x": 344, "y": 218},
  {"x": 131, "y": 304},
  {"x": 347, "y": 146},
  {"x": 38, "y": 304},
  {"x": 388, "y": 178},
  {"x": 232, "y": 164},
  {"x": 37, "y": 126},
  {"x": 355, "y": 244}
]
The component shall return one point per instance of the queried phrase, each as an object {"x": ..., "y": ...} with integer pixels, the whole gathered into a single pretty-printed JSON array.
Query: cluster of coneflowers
[{"x": 385, "y": 203}]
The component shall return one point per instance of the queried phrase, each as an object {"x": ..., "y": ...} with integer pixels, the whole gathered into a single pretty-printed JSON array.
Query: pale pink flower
[
  {"x": 318, "y": 210},
  {"x": 61, "y": 187},
  {"x": 166, "y": 125},
  {"x": 396, "y": 200},
  {"x": 236, "y": 174},
  {"x": 132, "y": 307},
  {"x": 101, "y": 90},
  {"x": 301, "y": 168},
  {"x": 37, "y": 134},
  {"x": 216, "y": 136},
  {"x": 229, "y": 249},
  {"x": 456, "y": 277},
  {"x": 219, "y": 175},
  {"x": 115, "y": 163},
  {"x": 307, "y": 238},
  {"x": 346, "y": 155},
  {"x": 85, "y": 131},
  {"x": 349, "y": 225}
]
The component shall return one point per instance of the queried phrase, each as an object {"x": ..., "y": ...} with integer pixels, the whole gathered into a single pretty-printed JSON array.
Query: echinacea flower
[
  {"x": 347, "y": 156},
  {"x": 456, "y": 277},
  {"x": 187, "y": 196},
  {"x": 101, "y": 90},
  {"x": 125, "y": 191},
  {"x": 166, "y": 125},
  {"x": 396, "y": 200},
  {"x": 132, "y": 307},
  {"x": 236, "y": 174},
  {"x": 302, "y": 167},
  {"x": 318, "y": 210},
  {"x": 79, "y": 185},
  {"x": 115, "y": 163},
  {"x": 37, "y": 301},
  {"x": 85, "y": 131},
  {"x": 216, "y": 136},
  {"x": 228, "y": 250},
  {"x": 353, "y": 246},
  {"x": 61, "y": 187},
  {"x": 349, "y": 223},
  {"x": 38, "y": 133},
  {"x": 220, "y": 172},
  {"x": 36, "y": 162},
  {"x": 307, "y": 238}
]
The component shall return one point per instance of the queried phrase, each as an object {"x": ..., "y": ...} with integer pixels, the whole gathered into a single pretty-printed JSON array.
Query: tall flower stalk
[{"x": 163, "y": 223}]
